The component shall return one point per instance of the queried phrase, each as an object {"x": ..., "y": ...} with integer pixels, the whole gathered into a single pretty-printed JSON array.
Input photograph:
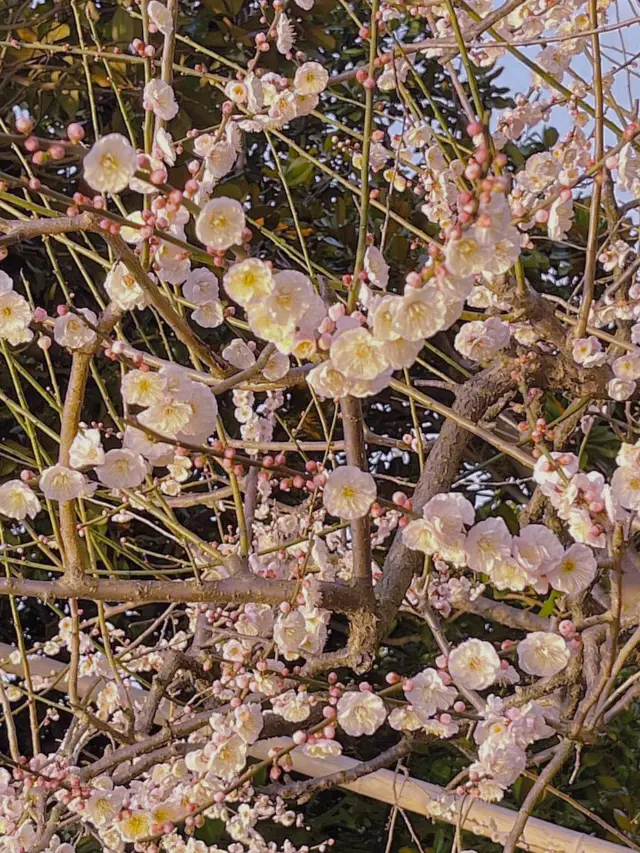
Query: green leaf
[
  {"x": 299, "y": 171},
  {"x": 122, "y": 26},
  {"x": 547, "y": 607}
]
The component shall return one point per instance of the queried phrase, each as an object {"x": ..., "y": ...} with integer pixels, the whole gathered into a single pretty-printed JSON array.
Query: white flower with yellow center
[
  {"x": 220, "y": 159},
  {"x": 201, "y": 286},
  {"x": 474, "y": 664},
  {"x": 59, "y": 483},
  {"x": 122, "y": 469},
  {"x": 488, "y": 544},
  {"x": 310, "y": 79},
  {"x": 358, "y": 355},
  {"x": 72, "y": 332},
  {"x": 625, "y": 483},
  {"x": 384, "y": 316},
  {"x": 210, "y": 315},
  {"x": 17, "y": 500},
  {"x": 467, "y": 255},
  {"x": 158, "y": 98},
  {"x": 123, "y": 289},
  {"x": 361, "y": 713},
  {"x": 376, "y": 267},
  {"x": 263, "y": 325},
  {"x": 401, "y": 353},
  {"x": 290, "y": 296},
  {"x": 157, "y": 452},
  {"x": 249, "y": 280},
  {"x": 236, "y": 91},
  {"x": 421, "y": 314},
  {"x": 86, "y": 449},
  {"x": 143, "y": 387},
  {"x": 136, "y": 826},
  {"x": 110, "y": 164},
  {"x": 220, "y": 223},
  {"x": 576, "y": 571},
  {"x": 429, "y": 693},
  {"x": 202, "y": 420},
  {"x": 227, "y": 759},
  {"x": 543, "y": 653},
  {"x": 349, "y": 492},
  {"x": 481, "y": 339},
  {"x": 15, "y": 314},
  {"x": 326, "y": 381},
  {"x": 166, "y": 418},
  {"x": 509, "y": 574},
  {"x": 276, "y": 367}
]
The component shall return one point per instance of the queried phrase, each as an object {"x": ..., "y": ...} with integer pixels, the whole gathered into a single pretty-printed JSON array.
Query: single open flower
[{"x": 349, "y": 492}]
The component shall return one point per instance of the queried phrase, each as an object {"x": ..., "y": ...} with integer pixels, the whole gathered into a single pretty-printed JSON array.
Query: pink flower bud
[
  {"x": 567, "y": 629},
  {"x": 24, "y": 124}
]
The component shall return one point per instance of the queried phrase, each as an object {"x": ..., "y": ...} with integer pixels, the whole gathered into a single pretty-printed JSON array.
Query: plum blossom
[
  {"x": 220, "y": 223},
  {"x": 158, "y": 98},
  {"x": 429, "y": 693},
  {"x": 542, "y": 653},
  {"x": 86, "y": 449},
  {"x": 59, "y": 483},
  {"x": 488, "y": 543},
  {"x": 481, "y": 339},
  {"x": 575, "y": 572},
  {"x": 122, "y": 469},
  {"x": 18, "y": 500},
  {"x": 110, "y": 164},
  {"x": 349, "y": 492},
  {"x": 310, "y": 79},
  {"x": 361, "y": 713},
  {"x": 474, "y": 664}
]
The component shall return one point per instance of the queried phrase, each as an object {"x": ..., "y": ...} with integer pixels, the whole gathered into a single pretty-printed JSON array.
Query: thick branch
[
  {"x": 16, "y": 231},
  {"x": 512, "y": 617},
  {"x": 553, "y": 767},
  {"x": 344, "y": 599},
  {"x": 472, "y": 401}
]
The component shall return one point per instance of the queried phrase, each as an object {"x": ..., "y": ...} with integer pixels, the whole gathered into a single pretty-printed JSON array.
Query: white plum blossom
[
  {"x": 158, "y": 98},
  {"x": 18, "y": 500},
  {"x": 575, "y": 572},
  {"x": 122, "y": 469},
  {"x": 588, "y": 352},
  {"x": 160, "y": 15},
  {"x": 360, "y": 713},
  {"x": 123, "y": 289},
  {"x": 429, "y": 693},
  {"x": 59, "y": 483},
  {"x": 441, "y": 531},
  {"x": 86, "y": 449},
  {"x": 481, "y": 339},
  {"x": 358, "y": 355},
  {"x": 474, "y": 664},
  {"x": 376, "y": 267},
  {"x": 220, "y": 223},
  {"x": 15, "y": 315},
  {"x": 349, "y": 492},
  {"x": 543, "y": 653},
  {"x": 110, "y": 164},
  {"x": 248, "y": 280},
  {"x": 143, "y": 387},
  {"x": 488, "y": 543},
  {"x": 72, "y": 332},
  {"x": 310, "y": 79}
]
